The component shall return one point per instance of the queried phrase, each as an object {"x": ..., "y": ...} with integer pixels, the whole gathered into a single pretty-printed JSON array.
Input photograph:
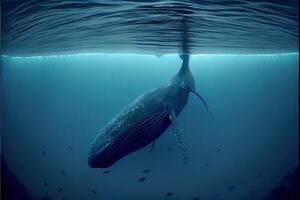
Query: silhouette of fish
[
  {"x": 44, "y": 153},
  {"x": 93, "y": 191},
  {"x": 259, "y": 174},
  {"x": 251, "y": 192},
  {"x": 217, "y": 194},
  {"x": 231, "y": 187},
  {"x": 142, "y": 179},
  {"x": 147, "y": 171},
  {"x": 169, "y": 194},
  {"x": 106, "y": 172},
  {"x": 219, "y": 150},
  {"x": 206, "y": 164},
  {"x": 196, "y": 198},
  {"x": 62, "y": 172},
  {"x": 45, "y": 183},
  {"x": 69, "y": 147},
  {"x": 44, "y": 198},
  {"x": 169, "y": 149},
  {"x": 59, "y": 189}
]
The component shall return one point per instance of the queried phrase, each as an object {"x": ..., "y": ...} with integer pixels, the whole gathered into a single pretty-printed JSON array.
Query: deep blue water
[
  {"x": 43, "y": 27},
  {"x": 53, "y": 107},
  {"x": 55, "y": 98}
]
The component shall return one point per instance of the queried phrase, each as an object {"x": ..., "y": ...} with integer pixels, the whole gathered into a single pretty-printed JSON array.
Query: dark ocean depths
[{"x": 68, "y": 67}]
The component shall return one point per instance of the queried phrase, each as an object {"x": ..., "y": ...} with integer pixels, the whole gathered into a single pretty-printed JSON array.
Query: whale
[{"x": 145, "y": 119}]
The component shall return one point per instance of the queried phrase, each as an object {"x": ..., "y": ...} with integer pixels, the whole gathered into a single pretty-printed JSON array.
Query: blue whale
[{"x": 144, "y": 120}]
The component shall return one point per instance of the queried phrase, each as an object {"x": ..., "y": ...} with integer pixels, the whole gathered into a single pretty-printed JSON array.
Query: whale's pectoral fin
[
  {"x": 204, "y": 102},
  {"x": 178, "y": 134},
  {"x": 152, "y": 146}
]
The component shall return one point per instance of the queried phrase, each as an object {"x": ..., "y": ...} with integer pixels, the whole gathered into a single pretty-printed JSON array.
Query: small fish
[
  {"x": 44, "y": 198},
  {"x": 62, "y": 172},
  {"x": 259, "y": 174},
  {"x": 206, "y": 164},
  {"x": 219, "y": 150},
  {"x": 231, "y": 187},
  {"x": 69, "y": 147},
  {"x": 196, "y": 198},
  {"x": 93, "y": 191},
  {"x": 251, "y": 192},
  {"x": 147, "y": 171},
  {"x": 217, "y": 194},
  {"x": 169, "y": 149},
  {"x": 106, "y": 172},
  {"x": 59, "y": 189},
  {"x": 142, "y": 179},
  {"x": 45, "y": 183},
  {"x": 169, "y": 194},
  {"x": 44, "y": 153}
]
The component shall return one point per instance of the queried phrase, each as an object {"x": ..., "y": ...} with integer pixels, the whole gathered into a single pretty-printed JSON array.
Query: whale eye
[{"x": 182, "y": 84}]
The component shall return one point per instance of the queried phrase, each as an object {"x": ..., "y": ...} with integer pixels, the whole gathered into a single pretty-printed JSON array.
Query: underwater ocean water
[
  {"x": 68, "y": 67},
  {"x": 54, "y": 107}
]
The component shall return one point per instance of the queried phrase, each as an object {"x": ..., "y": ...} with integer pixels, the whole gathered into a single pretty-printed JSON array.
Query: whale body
[{"x": 143, "y": 121}]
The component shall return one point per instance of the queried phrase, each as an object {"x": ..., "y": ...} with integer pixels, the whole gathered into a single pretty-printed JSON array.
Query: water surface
[{"x": 43, "y": 27}]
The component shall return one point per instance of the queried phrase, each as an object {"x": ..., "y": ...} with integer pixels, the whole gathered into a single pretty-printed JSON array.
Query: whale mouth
[
  {"x": 98, "y": 160},
  {"x": 92, "y": 161}
]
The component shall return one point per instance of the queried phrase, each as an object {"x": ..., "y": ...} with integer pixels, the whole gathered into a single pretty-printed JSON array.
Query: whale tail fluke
[
  {"x": 185, "y": 63},
  {"x": 184, "y": 56}
]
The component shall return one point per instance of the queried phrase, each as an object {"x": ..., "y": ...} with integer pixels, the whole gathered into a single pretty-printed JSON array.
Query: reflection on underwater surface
[
  {"x": 42, "y": 27},
  {"x": 54, "y": 106}
]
